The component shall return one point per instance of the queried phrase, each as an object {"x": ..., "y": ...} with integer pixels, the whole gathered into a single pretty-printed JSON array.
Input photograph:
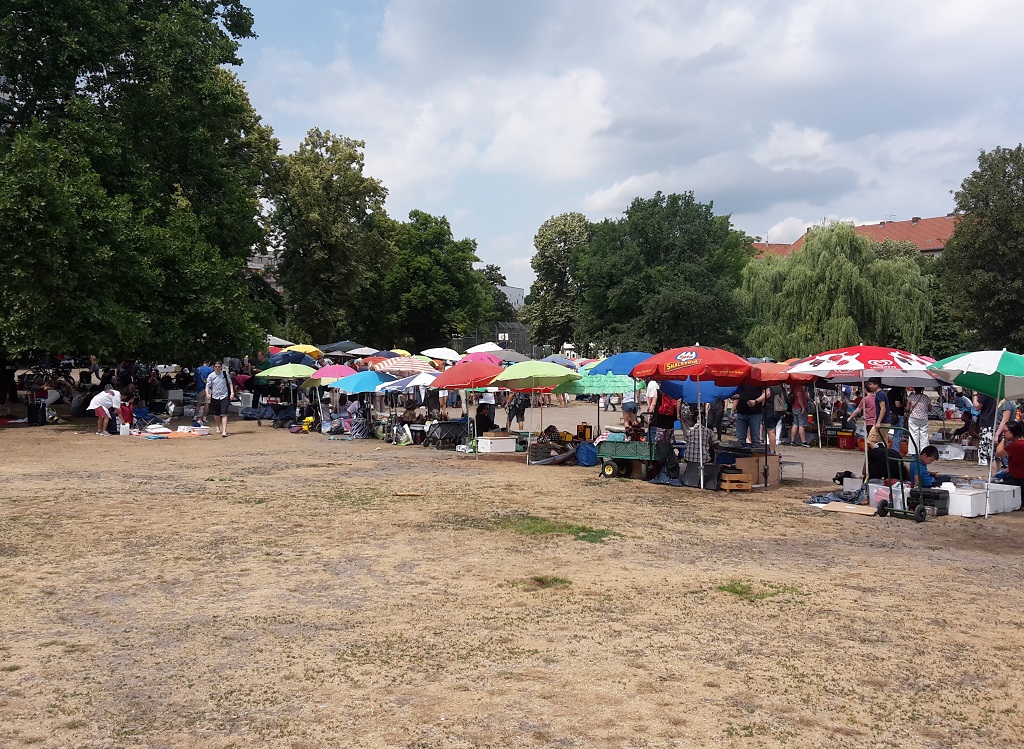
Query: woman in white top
[{"x": 107, "y": 398}]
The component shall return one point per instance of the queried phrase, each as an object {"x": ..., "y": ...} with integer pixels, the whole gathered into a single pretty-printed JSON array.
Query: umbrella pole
[
  {"x": 700, "y": 436},
  {"x": 817, "y": 412},
  {"x": 992, "y": 450},
  {"x": 864, "y": 394}
]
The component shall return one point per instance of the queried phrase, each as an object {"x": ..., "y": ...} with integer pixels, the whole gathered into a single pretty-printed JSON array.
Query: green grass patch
[
  {"x": 530, "y": 525},
  {"x": 540, "y": 582},
  {"x": 756, "y": 592}
]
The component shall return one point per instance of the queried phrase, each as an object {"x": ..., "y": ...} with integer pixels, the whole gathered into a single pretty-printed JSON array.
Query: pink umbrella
[
  {"x": 482, "y": 356},
  {"x": 333, "y": 371}
]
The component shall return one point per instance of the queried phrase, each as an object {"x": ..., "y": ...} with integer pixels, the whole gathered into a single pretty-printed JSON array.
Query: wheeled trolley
[{"x": 617, "y": 457}]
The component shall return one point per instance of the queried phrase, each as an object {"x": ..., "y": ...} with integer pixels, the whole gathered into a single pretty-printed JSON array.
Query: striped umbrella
[{"x": 408, "y": 365}]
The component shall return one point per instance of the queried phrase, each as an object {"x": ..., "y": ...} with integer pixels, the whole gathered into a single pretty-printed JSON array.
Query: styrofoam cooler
[{"x": 246, "y": 399}]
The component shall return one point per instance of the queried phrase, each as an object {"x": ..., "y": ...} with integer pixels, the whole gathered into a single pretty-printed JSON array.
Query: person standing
[
  {"x": 918, "y": 407},
  {"x": 986, "y": 406},
  {"x": 8, "y": 385},
  {"x": 219, "y": 392},
  {"x": 202, "y": 373},
  {"x": 516, "y": 408},
  {"x": 749, "y": 402},
  {"x": 897, "y": 404},
  {"x": 799, "y": 428},
  {"x": 629, "y": 408},
  {"x": 101, "y": 403},
  {"x": 663, "y": 411},
  {"x": 774, "y": 410}
]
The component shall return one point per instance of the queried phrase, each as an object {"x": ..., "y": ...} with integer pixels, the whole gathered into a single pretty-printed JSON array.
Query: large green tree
[
  {"x": 661, "y": 276},
  {"x": 835, "y": 291},
  {"x": 984, "y": 258},
  {"x": 431, "y": 291},
  {"x": 130, "y": 166},
  {"x": 554, "y": 296},
  {"x": 330, "y": 227}
]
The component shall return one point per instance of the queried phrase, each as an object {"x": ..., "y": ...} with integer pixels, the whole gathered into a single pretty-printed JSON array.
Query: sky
[{"x": 500, "y": 115}]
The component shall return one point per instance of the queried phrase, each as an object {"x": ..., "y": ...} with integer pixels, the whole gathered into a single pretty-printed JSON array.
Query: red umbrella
[
  {"x": 775, "y": 373},
  {"x": 694, "y": 363},
  {"x": 466, "y": 375}
]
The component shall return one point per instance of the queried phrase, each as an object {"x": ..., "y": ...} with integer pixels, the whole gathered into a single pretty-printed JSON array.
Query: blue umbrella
[
  {"x": 563, "y": 361},
  {"x": 620, "y": 364},
  {"x": 362, "y": 382},
  {"x": 690, "y": 391}
]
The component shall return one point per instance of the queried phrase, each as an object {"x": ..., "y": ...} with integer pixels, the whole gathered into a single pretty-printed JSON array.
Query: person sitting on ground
[
  {"x": 409, "y": 416},
  {"x": 1011, "y": 446},
  {"x": 919, "y": 474},
  {"x": 885, "y": 463}
]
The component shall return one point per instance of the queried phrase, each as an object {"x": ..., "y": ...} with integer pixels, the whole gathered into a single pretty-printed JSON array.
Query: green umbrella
[
  {"x": 287, "y": 372},
  {"x": 533, "y": 375},
  {"x": 999, "y": 374},
  {"x": 597, "y": 385}
]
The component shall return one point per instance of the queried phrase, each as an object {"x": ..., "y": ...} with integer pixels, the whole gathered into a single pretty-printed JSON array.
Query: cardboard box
[
  {"x": 754, "y": 466},
  {"x": 497, "y": 433},
  {"x": 496, "y": 444}
]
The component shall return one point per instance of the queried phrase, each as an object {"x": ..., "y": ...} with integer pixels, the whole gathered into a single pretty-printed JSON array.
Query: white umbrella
[
  {"x": 488, "y": 347},
  {"x": 273, "y": 340},
  {"x": 443, "y": 353},
  {"x": 364, "y": 351}
]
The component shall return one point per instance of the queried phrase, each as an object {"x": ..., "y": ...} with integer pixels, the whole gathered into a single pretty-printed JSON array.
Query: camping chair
[{"x": 142, "y": 417}]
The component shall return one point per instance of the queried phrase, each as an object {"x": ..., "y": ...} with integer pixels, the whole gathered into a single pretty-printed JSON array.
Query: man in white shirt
[{"x": 107, "y": 398}]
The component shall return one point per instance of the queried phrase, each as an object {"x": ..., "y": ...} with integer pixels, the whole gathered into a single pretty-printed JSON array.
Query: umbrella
[
  {"x": 597, "y": 385},
  {"x": 423, "y": 379},
  {"x": 466, "y": 375},
  {"x": 511, "y": 355},
  {"x": 481, "y": 356},
  {"x": 305, "y": 348},
  {"x": 695, "y": 362},
  {"x": 287, "y": 372},
  {"x": 340, "y": 347},
  {"x": 362, "y": 351},
  {"x": 860, "y": 363},
  {"x": 388, "y": 354},
  {"x": 333, "y": 371},
  {"x": 562, "y": 360},
  {"x": 362, "y": 382},
  {"x": 402, "y": 352},
  {"x": 404, "y": 365},
  {"x": 997, "y": 374},
  {"x": 443, "y": 353},
  {"x": 273, "y": 340},
  {"x": 484, "y": 347},
  {"x": 534, "y": 375}
]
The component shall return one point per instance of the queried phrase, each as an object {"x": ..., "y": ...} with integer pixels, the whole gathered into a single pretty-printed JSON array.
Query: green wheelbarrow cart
[{"x": 617, "y": 457}]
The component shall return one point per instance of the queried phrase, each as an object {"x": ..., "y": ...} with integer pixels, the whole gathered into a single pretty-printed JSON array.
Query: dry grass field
[{"x": 277, "y": 590}]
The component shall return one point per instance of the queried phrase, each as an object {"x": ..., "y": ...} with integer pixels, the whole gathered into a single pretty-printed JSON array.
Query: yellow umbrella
[
  {"x": 401, "y": 351},
  {"x": 305, "y": 348}
]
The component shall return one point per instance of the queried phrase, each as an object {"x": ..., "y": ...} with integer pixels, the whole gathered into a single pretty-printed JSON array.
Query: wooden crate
[{"x": 735, "y": 482}]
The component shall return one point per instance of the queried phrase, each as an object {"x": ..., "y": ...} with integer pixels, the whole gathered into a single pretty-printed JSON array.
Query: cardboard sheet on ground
[
  {"x": 166, "y": 436},
  {"x": 847, "y": 507}
]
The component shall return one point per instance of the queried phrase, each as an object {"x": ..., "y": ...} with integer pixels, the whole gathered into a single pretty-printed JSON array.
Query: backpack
[
  {"x": 667, "y": 405},
  {"x": 779, "y": 400}
]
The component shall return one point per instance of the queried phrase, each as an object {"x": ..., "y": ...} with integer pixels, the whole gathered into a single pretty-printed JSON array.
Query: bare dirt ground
[{"x": 278, "y": 590}]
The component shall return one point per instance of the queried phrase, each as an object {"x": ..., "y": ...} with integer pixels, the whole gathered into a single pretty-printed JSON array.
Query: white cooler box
[
  {"x": 496, "y": 444},
  {"x": 970, "y": 503}
]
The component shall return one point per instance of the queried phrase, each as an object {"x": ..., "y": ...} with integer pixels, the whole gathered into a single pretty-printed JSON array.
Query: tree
[
  {"x": 835, "y": 291},
  {"x": 131, "y": 164},
  {"x": 329, "y": 223},
  {"x": 554, "y": 295},
  {"x": 661, "y": 276},
  {"x": 503, "y": 309},
  {"x": 431, "y": 291},
  {"x": 983, "y": 274}
]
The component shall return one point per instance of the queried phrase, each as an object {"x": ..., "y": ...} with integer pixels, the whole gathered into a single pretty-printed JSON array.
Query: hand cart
[
  {"x": 889, "y": 506},
  {"x": 617, "y": 457}
]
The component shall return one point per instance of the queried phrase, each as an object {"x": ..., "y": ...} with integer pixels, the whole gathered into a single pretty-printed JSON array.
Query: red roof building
[{"x": 929, "y": 235}]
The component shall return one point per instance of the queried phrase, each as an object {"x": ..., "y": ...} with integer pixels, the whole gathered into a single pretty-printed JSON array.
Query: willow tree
[{"x": 835, "y": 291}]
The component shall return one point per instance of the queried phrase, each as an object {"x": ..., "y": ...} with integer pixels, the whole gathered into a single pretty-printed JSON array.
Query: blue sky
[{"x": 500, "y": 115}]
